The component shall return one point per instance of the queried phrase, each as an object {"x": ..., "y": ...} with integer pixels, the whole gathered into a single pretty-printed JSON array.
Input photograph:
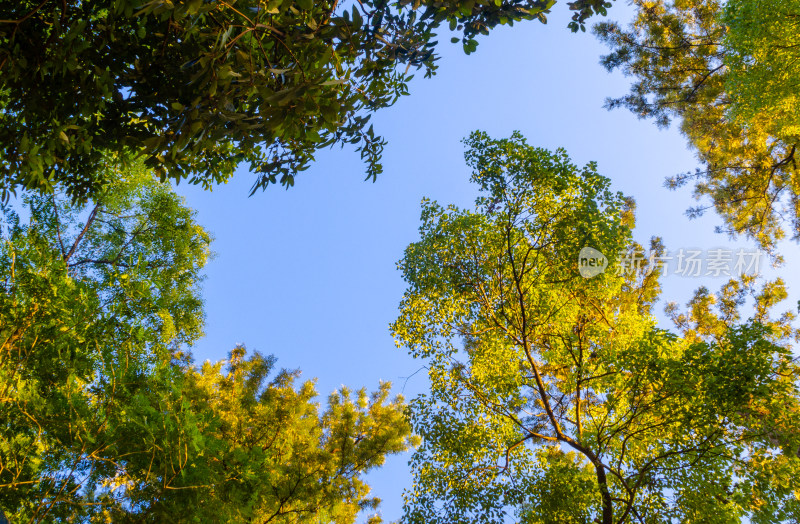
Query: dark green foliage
[{"x": 198, "y": 87}]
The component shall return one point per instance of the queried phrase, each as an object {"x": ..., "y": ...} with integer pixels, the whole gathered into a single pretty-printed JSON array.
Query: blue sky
[{"x": 309, "y": 274}]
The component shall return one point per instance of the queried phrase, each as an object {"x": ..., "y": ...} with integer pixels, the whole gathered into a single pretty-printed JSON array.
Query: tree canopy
[
  {"x": 730, "y": 75},
  {"x": 558, "y": 398},
  {"x": 762, "y": 43},
  {"x": 104, "y": 417},
  {"x": 555, "y": 394},
  {"x": 197, "y": 88}
]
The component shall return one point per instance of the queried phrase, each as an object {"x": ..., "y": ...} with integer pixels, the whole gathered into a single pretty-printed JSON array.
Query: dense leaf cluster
[{"x": 198, "y": 87}]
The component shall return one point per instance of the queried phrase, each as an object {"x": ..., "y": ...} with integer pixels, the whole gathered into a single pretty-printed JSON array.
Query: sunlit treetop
[
  {"x": 559, "y": 398},
  {"x": 763, "y": 42},
  {"x": 729, "y": 79}
]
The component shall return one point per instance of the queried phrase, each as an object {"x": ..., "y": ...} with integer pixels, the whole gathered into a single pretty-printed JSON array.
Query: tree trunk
[{"x": 608, "y": 509}]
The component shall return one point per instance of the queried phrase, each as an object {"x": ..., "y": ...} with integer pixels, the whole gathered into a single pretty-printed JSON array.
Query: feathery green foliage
[
  {"x": 105, "y": 419},
  {"x": 729, "y": 77}
]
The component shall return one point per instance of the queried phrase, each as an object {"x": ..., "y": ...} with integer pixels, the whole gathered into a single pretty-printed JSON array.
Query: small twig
[
  {"x": 82, "y": 233},
  {"x": 19, "y": 21},
  {"x": 408, "y": 377}
]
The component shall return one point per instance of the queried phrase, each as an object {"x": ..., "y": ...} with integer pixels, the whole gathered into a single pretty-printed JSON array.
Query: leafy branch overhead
[{"x": 199, "y": 87}]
